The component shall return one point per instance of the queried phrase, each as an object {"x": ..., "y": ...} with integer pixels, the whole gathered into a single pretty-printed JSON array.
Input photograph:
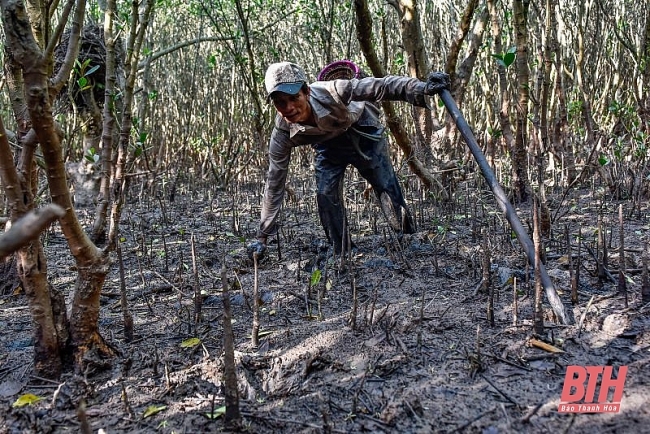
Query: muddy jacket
[{"x": 338, "y": 105}]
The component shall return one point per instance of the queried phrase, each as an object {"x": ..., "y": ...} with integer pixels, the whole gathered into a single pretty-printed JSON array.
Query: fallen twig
[
  {"x": 290, "y": 421},
  {"x": 506, "y": 361},
  {"x": 544, "y": 346},
  {"x": 505, "y": 395},
  {"x": 471, "y": 421},
  {"x": 584, "y": 315}
]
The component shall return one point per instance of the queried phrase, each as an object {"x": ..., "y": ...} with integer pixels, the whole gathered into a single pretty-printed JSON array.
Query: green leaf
[
  {"x": 315, "y": 277},
  {"x": 218, "y": 412},
  {"x": 153, "y": 409},
  {"x": 603, "y": 160},
  {"x": 82, "y": 82},
  {"x": 26, "y": 399},
  {"x": 91, "y": 70},
  {"x": 190, "y": 343},
  {"x": 508, "y": 59}
]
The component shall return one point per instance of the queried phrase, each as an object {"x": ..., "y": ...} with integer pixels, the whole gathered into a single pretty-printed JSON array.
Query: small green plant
[
  {"x": 315, "y": 278},
  {"x": 506, "y": 59},
  {"x": 84, "y": 70},
  {"x": 91, "y": 155}
]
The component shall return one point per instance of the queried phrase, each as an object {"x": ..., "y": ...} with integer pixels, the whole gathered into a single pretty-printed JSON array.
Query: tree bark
[
  {"x": 644, "y": 93},
  {"x": 590, "y": 124},
  {"x": 91, "y": 263},
  {"x": 364, "y": 34},
  {"x": 19, "y": 187},
  {"x": 417, "y": 65},
  {"x": 108, "y": 124},
  {"x": 462, "y": 74},
  {"x": 120, "y": 181},
  {"x": 504, "y": 97},
  {"x": 519, "y": 152},
  {"x": 457, "y": 43}
]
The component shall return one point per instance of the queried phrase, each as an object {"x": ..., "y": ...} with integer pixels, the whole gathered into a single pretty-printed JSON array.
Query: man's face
[{"x": 294, "y": 108}]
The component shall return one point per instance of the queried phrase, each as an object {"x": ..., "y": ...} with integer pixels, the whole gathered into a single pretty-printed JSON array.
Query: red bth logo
[{"x": 579, "y": 389}]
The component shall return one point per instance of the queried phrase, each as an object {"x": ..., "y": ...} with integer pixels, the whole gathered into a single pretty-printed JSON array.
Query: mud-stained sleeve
[
  {"x": 389, "y": 88},
  {"x": 279, "y": 157}
]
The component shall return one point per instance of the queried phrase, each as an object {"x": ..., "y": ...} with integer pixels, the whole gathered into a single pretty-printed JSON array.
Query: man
[{"x": 340, "y": 122}]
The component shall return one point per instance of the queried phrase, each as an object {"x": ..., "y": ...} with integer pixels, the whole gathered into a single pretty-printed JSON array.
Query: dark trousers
[{"x": 332, "y": 158}]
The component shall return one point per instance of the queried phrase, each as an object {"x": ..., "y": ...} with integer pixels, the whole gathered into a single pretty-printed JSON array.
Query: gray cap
[{"x": 284, "y": 77}]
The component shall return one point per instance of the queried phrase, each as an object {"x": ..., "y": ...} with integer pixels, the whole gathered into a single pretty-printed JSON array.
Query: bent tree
[{"x": 30, "y": 43}]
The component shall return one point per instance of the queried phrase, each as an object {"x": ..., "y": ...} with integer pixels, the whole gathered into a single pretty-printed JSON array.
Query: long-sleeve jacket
[{"x": 337, "y": 105}]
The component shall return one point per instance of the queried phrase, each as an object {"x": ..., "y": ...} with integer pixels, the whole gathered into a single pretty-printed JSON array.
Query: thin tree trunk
[
  {"x": 364, "y": 34},
  {"x": 120, "y": 181},
  {"x": 644, "y": 93},
  {"x": 457, "y": 43},
  {"x": 417, "y": 65},
  {"x": 504, "y": 106},
  {"x": 590, "y": 124},
  {"x": 560, "y": 123},
  {"x": 32, "y": 270},
  {"x": 258, "y": 120},
  {"x": 547, "y": 60},
  {"x": 519, "y": 152},
  {"x": 463, "y": 73},
  {"x": 92, "y": 265},
  {"x": 108, "y": 127}
]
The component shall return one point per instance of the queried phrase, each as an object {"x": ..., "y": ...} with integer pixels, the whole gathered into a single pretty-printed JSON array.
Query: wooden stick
[
  {"x": 544, "y": 346},
  {"x": 255, "y": 332},
  {"x": 622, "y": 287}
]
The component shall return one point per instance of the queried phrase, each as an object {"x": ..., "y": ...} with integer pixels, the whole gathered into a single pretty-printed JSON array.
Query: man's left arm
[{"x": 392, "y": 88}]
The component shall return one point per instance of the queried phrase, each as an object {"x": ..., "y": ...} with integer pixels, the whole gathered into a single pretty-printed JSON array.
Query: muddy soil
[{"x": 394, "y": 338}]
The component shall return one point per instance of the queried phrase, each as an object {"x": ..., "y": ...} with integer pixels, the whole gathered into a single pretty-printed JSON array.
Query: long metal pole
[{"x": 504, "y": 204}]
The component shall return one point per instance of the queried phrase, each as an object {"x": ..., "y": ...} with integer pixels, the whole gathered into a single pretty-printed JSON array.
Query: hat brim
[{"x": 289, "y": 88}]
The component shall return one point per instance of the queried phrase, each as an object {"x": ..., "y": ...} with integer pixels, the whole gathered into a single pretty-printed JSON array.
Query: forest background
[{"x": 107, "y": 104}]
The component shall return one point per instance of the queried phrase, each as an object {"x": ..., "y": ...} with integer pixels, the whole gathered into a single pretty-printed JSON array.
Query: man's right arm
[{"x": 279, "y": 157}]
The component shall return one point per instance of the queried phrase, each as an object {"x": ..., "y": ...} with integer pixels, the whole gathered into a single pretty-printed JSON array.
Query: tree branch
[
  {"x": 625, "y": 42},
  {"x": 28, "y": 228},
  {"x": 73, "y": 47},
  {"x": 9, "y": 175},
  {"x": 180, "y": 45}
]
